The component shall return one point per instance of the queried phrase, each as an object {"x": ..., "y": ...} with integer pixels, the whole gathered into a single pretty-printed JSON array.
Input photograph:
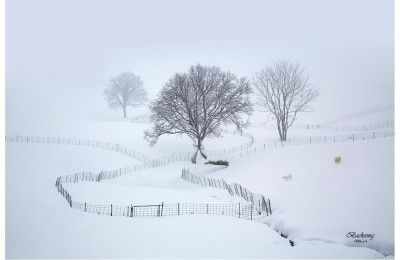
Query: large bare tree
[
  {"x": 199, "y": 104},
  {"x": 125, "y": 90},
  {"x": 284, "y": 90}
]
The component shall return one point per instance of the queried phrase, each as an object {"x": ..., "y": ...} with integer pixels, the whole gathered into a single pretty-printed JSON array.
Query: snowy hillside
[{"x": 315, "y": 210}]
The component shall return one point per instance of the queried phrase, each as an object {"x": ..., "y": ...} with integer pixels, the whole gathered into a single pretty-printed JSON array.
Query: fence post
[
  {"x": 178, "y": 209},
  {"x": 131, "y": 211},
  {"x": 207, "y": 208},
  {"x": 162, "y": 208},
  {"x": 111, "y": 209},
  {"x": 269, "y": 203},
  {"x": 239, "y": 209},
  {"x": 85, "y": 206},
  {"x": 251, "y": 211}
]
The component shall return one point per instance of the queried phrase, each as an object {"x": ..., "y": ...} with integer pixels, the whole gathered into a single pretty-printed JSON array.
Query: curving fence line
[
  {"x": 361, "y": 114},
  {"x": 257, "y": 208},
  {"x": 370, "y": 127},
  {"x": 315, "y": 140},
  {"x": 147, "y": 162},
  {"x": 71, "y": 141},
  {"x": 140, "y": 119},
  {"x": 239, "y": 210},
  {"x": 154, "y": 163},
  {"x": 261, "y": 205},
  {"x": 245, "y": 211},
  {"x": 232, "y": 149}
]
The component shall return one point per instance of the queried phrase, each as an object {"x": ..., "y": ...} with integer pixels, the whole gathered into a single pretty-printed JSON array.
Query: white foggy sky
[{"x": 60, "y": 55}]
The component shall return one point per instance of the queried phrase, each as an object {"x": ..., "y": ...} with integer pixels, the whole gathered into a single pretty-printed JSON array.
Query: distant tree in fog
[
  {"x": 200, "y": 103},
  {"x": 125, "y": 90},
  {"x": 284, "y": 90}
]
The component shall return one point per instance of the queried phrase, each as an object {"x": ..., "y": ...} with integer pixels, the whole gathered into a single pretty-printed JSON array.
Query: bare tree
[
  {"x": 125, "y": 90},
  {"x": 284, "y": 90},
  {"x": 199, "y": 103}
]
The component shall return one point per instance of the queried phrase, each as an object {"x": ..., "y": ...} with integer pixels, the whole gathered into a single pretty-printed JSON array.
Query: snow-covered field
[{"x": 316, "y": 209}]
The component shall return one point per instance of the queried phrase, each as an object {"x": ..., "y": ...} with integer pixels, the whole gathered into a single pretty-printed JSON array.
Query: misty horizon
[{"x": 68, "y": 51}]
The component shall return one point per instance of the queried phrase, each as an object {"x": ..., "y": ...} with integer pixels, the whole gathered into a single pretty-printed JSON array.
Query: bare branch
[
  {"x": 199, "y": 103},
  {"x": 125, "y": 90},
  {"x": 284, "y": 90}
]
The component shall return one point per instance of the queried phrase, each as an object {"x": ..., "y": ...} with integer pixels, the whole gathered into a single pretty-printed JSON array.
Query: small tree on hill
[
  {"x": 284, "y": 90},
  {"x": 199, "y": 104},
  {"x": 125, "y": 90}
]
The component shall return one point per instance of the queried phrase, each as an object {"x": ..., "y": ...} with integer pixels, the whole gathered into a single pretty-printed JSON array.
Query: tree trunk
[
  {"x": 201, "y": 148},
  {"x": 124, "y": 109},
  {"x": 280, "y": 130},
  {"x": 193, "y": 159},
  {"x": 283, "y": 134},
  {"x": 203, "y": 154}
]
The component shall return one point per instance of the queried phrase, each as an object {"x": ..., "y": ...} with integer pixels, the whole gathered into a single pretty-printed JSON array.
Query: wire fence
[
  {"x": 147, "y": 162},
  {"x": 239, "y": 210},
  {"x": 257, "y": 208},
  {"x": 363, "y": 136},
  {"x": 246, "y": 211},
  {"x": 103, "y": 175},
  {"x": 71, "y": 141},
  {"x": 140, "y": 119},
  {"x": 361, "y": 114},
  {"x": 370, "y": 127},
  {"x": 256, "y": 199},
  {"x": 211, "y": 154},
  {"x": 232, "y": 149}
]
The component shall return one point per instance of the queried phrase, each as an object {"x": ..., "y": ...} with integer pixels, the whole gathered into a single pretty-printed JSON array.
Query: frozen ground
[{"x": 316, "y": 209}]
